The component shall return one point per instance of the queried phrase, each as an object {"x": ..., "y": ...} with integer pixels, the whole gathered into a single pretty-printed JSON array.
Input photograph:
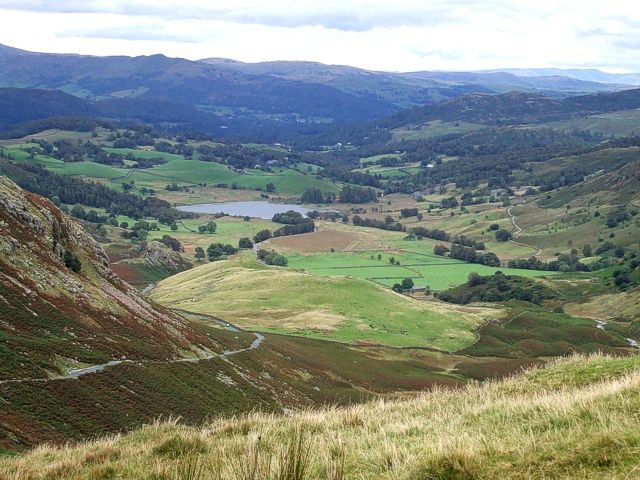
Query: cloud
[
  {"x": 359, "y": 15},
  {"x": 144, "y": 32},
  {"x": 401, "y": 35}
]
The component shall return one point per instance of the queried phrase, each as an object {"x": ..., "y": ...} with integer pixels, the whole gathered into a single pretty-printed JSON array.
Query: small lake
[{"x": 258, "y": 209}]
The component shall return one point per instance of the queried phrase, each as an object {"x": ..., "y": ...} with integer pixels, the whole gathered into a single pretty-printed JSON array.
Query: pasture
[
  {"x": 288, "y": 182},
  {"x": 282, "y": 300},
  {"x": 356, "y": 250},
  {"x": 439, "y": 273}
]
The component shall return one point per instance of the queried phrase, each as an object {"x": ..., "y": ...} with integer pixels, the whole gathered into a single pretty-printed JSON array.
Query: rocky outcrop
[
  {"x": 60, "y": 303},
  {"x": 158, "y": 255}
]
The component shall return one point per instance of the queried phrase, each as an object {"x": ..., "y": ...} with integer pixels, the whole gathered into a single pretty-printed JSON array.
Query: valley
[{"x": 338, "y": 290}]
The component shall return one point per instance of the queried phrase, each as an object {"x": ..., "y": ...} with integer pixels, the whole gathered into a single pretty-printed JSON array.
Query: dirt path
[
  {"x": 259, "y": 338},
  {"x": 517, "y": 229}
]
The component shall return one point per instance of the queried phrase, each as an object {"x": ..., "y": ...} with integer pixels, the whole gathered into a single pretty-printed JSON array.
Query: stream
[{"x": 602, "y": 326}]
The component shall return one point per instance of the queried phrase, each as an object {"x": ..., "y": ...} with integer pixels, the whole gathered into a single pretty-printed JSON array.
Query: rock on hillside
[
  {"x": 60, "y": 304},
  {"x": 158, "y": 255}
]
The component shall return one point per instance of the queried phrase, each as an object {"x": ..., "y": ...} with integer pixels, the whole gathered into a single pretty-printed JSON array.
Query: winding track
[
  {"x": 98, "y": 368},
  {"x": 517, "y": 229}
]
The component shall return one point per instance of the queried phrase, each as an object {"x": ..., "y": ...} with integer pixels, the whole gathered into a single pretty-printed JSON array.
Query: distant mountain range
[
  {"x": 585, "y": 74},
  {"x": 223, "y": 96},
  {"x": 418, "y": 88}
]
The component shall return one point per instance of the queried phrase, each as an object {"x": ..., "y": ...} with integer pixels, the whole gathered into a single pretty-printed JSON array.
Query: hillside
[
  {"x": 515, "y": 107},
  {"x": 241, "y": 290},
  {"x": 19, "y": 105},
  {"x": 415, "y": 88},
  {"x": 183, "y": 82},
  {"x": 573, "y": 420},
  {"x": 63, "y": 307},
  {"x": 84, "y": 354}
]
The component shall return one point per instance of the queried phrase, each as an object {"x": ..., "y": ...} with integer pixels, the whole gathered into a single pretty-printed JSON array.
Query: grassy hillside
[
  {"x": 281, "y": 300},
  {"x": 178, "y": 169},
  {"x": 574, "y": 420}
]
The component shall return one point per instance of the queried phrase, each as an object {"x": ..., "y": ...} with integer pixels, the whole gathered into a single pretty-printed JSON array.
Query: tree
[
  {"x": 245, "y": 243},
  {"x": 173, "y": 226},
  {"x": 78, "y": 212},
  {"x": 449, "y": 202},
  {"x": 200, "y": 253},
  {"x": 312, "y": 195},
  {"x": 172, "y": 243},
  {"x": 270, "y": 187},
  {"x": 262, "y": 235},
  {"x": 494, "y": 226},
  {"x": 490, "y": 259},
  {"x": 586, "y": 251},
  {"x": 202, "y": 228},
  {"x": 356, "y": 194},
  {"x": 440, "y": 250},
  {"x": 408, "y": 212},
  {"x": 215, "y": 251},
  {"x": 503, "y": 235},
  {"x": 272, "y": 258},
  {"x": 407, "y": 284},
  {"x": 211, "y": 227},
  {"x": 474, "y": 279}
]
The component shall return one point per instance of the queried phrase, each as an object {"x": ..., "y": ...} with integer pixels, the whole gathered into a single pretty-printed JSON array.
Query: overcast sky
[{"x": 400, "y": 35}]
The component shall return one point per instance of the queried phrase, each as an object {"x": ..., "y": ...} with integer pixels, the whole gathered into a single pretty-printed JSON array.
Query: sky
[{"x": 390, "y": 35}]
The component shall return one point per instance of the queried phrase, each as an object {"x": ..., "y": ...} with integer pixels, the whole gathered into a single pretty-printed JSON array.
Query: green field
[
  {"x": 439, "y": 273},
  {"x": 281, "y": 300},
  {"x": 377, "y": 158},
  {"x": 287, "y": 181},
  {"x": 144, "y": 154}
]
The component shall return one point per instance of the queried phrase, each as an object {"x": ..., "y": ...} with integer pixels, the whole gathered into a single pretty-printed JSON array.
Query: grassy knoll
[
  {"x": 282, "y": 300},
  {"x": 572, "y": 420}
]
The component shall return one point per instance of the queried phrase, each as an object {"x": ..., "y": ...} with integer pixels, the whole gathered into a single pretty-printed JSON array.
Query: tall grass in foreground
[{"x": 577, "y": 419}]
